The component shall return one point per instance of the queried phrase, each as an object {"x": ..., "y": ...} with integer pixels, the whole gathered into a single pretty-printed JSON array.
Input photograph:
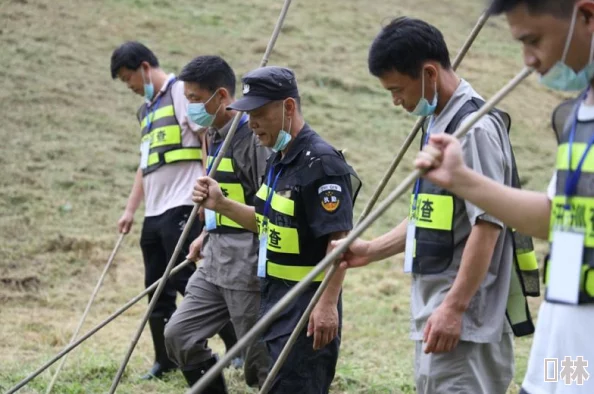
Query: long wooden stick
[
  {"x": 87, "y": 309},
  {"x": 94, "y": 330}
]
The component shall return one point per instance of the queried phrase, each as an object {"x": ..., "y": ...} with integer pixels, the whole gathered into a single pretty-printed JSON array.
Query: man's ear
[{"x": 586, "y": 9}]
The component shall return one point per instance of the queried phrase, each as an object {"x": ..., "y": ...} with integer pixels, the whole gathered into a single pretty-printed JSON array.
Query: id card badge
[
  {"x": 409, "y": 247},
  {"x": 145, "y": 146},
  {"x": 262, "y": 254},
  {"x": 210, "y": 220},
  {"x": 565, "y": 266}
]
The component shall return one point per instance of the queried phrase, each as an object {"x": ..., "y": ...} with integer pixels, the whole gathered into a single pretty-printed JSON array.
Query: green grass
[{"x": 69, "y": 151}]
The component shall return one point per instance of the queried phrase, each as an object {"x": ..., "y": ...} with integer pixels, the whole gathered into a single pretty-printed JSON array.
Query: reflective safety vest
[
  {"x": 434, "y": 237},
  {"x": 163, "y": 134},
  {"x": 229, "y": 182},
  {"x": 292, "y": 250},
  {"x": 582, "y": 204}
]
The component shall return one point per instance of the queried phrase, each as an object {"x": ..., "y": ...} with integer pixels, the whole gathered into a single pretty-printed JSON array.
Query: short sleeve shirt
[{"x": 486, "y": 149}]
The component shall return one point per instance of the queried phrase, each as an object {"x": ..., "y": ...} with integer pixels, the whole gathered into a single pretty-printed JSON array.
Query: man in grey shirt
[
  {"x": 225, "y": 287},
  {"x": 460, "y": 258}
]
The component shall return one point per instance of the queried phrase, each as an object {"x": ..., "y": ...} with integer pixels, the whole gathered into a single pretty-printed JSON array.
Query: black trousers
[
  {"x": 159, "y": 237},
  {"x": 305, "y": 371}
]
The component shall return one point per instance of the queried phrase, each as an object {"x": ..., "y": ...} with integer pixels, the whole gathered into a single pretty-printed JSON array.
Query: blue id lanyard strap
[
  {"x": 243, "y": 121},
  {"x": 213, "y": 159},
  {"x": 271, "y": 189},
  {"x": 418, "y": 183},
  {"x": 573, "y": 176},
  {"x": 151, "y": 114}
]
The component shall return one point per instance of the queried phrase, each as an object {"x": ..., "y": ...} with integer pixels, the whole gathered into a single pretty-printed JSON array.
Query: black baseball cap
[{"x": 266, "y": 84}]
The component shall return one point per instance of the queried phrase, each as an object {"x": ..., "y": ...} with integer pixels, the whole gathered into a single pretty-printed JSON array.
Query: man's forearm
[
  {"x": 244, "y": 215},
  {"x": 389, "y": 244},
  {"x": 136, "y": 194},
  {"x": 475, "y": 263},
  {"x": 527, "y": 212},
  {"x": 332, "y": 292}
]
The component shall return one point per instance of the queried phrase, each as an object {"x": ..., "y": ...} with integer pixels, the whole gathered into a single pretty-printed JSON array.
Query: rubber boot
[
  {"x": 216, "y": 386},
  {"x": 162, "y": 363},
  {"x": 229, "y": 337}
]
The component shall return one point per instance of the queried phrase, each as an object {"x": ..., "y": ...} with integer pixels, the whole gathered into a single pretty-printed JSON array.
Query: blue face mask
[
  {"x": 561, "y": 76},
  {"x": 197, "y": 113},
  {"x": 149, "y": 88},
  {"x": 284, "y": 137},
  {"x": 423, "y": 108}
]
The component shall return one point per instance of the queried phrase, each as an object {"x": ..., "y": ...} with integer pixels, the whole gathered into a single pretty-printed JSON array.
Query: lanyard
[
  {"x": 213, "y": 159},
  {"x": 243, "y": 121},
  {"x": 573, "y": 177},
  {"x": 418, "y": 183},
  {"x": 271, "y": 189},
  {"x": 151, "y": 114}
]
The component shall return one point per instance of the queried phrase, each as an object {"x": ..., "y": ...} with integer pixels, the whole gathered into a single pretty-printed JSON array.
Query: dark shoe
[
  {"x": 216, "y": 386},
  {"x": 162, "y": 363}
]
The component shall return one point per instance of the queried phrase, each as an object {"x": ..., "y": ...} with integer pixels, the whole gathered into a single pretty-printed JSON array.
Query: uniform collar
[
  {"x": 221, "y": 133},
  {"x": 462, "y": 94},
  {"x": 298, "y": 144}
]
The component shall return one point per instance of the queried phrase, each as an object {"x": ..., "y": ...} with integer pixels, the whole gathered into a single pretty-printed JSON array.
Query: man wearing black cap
[{"x": 306, "y": 201}]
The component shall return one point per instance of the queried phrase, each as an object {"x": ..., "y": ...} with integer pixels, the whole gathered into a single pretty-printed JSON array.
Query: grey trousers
[
  {"x": 205, "y": 309},
  {"x": 471, "y": 368}
]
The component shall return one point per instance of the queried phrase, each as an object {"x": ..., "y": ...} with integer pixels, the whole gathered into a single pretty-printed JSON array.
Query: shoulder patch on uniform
[
  {"x": 330, "y": 195},
  {"x": 329, "y": 186}
]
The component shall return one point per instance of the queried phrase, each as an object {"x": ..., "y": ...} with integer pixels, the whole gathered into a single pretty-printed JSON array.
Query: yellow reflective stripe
[
  {"x": 280, "y": 239},
  {"x": 153, "y": 159},
  {"x": 290, "y": 272},
  {"x": 527, "y": 261},
  {"x": 160, "y": 113},
  {"x": 166, "y": 135},
  {"x": 578, "y": 151},
  {"x": 582, "y": 211},
  {"x": 182, "y": 154},
  {"x": 283, "y": 239},
  {"x": 226, "y": 165},
  {"x": 279, "y": 203},
  {"x": 589, "y": 283},
  {"x": 235, "y": 192},
  {"x": 516, "y": 301},
  {"x": 225, "y": 221},
  {"x": 434, "y": 211}
]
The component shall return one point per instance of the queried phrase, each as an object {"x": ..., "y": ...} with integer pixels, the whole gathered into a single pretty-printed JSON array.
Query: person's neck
[
  {"x": 448, "y": 83},
  {"x": 158, "y": 77},
  {"x": 296, "y": 128},
  {"x": 223, "y": 117}
]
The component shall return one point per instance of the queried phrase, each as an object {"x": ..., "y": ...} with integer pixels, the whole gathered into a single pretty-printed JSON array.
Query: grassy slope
[{"x": 70, "y": 144}]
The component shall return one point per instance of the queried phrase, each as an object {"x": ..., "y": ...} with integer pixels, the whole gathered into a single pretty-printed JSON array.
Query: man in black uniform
[{"x": 306, "y": 200}]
